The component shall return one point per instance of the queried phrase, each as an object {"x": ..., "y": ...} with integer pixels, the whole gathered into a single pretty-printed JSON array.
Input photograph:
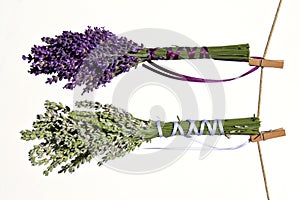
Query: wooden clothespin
[
  {"x": 266, "y": 63},
  {"x": 268, "y": 135}
]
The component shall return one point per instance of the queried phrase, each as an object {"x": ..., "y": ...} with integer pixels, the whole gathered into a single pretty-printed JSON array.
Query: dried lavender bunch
[
  {"x": 75, "y": 137},
  {"x": 95, "y": 57},
  {"x": 71, "y": 138}
]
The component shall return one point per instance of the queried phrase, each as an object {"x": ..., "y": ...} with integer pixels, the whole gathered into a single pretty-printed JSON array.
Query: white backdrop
[{"x": 221, "y": 175}]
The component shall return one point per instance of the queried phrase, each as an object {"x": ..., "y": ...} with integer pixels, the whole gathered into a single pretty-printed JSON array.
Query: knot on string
[{"x": 211, "y": 129}]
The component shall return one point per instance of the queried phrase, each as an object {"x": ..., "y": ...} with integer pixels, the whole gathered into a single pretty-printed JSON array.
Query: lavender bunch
[
  {"x": 95, "y": 57},
  {"x": 91, "y": 58},
  {"x": 71, "y": 138}
]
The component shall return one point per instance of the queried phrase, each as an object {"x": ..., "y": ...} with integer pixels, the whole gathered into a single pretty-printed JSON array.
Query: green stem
[
  {"x": 240, "y": 126},
  {"x": 229, "y": 53}
]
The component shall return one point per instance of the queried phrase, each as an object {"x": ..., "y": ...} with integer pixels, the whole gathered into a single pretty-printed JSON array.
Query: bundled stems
[
  {"x": 227, "y": 53},
  {"x": 240, "y": 126}
]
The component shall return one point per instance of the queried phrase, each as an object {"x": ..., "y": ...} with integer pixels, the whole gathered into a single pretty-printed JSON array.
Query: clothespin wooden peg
[
  {"x": 266, "y": 63},
  {"x": 268, "y": 135}
]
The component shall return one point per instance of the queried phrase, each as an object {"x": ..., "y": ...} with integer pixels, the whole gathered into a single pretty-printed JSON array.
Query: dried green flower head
[{"x": 71, "y": 138}]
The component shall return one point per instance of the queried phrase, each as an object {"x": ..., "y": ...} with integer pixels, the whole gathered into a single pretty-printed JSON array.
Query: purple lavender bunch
[
  {"x": 95, "y": 57},
  {"x": 91, "y": 58}
]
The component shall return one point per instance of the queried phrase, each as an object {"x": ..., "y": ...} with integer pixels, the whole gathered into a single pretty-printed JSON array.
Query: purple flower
[{"x": 91, "y": 58}]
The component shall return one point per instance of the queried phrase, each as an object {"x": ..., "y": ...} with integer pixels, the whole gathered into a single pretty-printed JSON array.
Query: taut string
[{"x": 260, "y": 94}]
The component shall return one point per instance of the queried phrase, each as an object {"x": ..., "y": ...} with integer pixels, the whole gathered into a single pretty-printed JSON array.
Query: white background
[{"x": 222, "y": 175}]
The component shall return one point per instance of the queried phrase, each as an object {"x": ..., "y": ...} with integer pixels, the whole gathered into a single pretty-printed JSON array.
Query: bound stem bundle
[{"x": 71, "y": 138}]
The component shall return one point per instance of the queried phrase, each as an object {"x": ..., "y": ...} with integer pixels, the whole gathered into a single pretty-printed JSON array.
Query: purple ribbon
[{"x": 177, "y": 76}]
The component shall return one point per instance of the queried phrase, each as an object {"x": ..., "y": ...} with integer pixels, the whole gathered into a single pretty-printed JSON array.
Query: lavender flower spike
[{"x": 91, "y": 58}]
